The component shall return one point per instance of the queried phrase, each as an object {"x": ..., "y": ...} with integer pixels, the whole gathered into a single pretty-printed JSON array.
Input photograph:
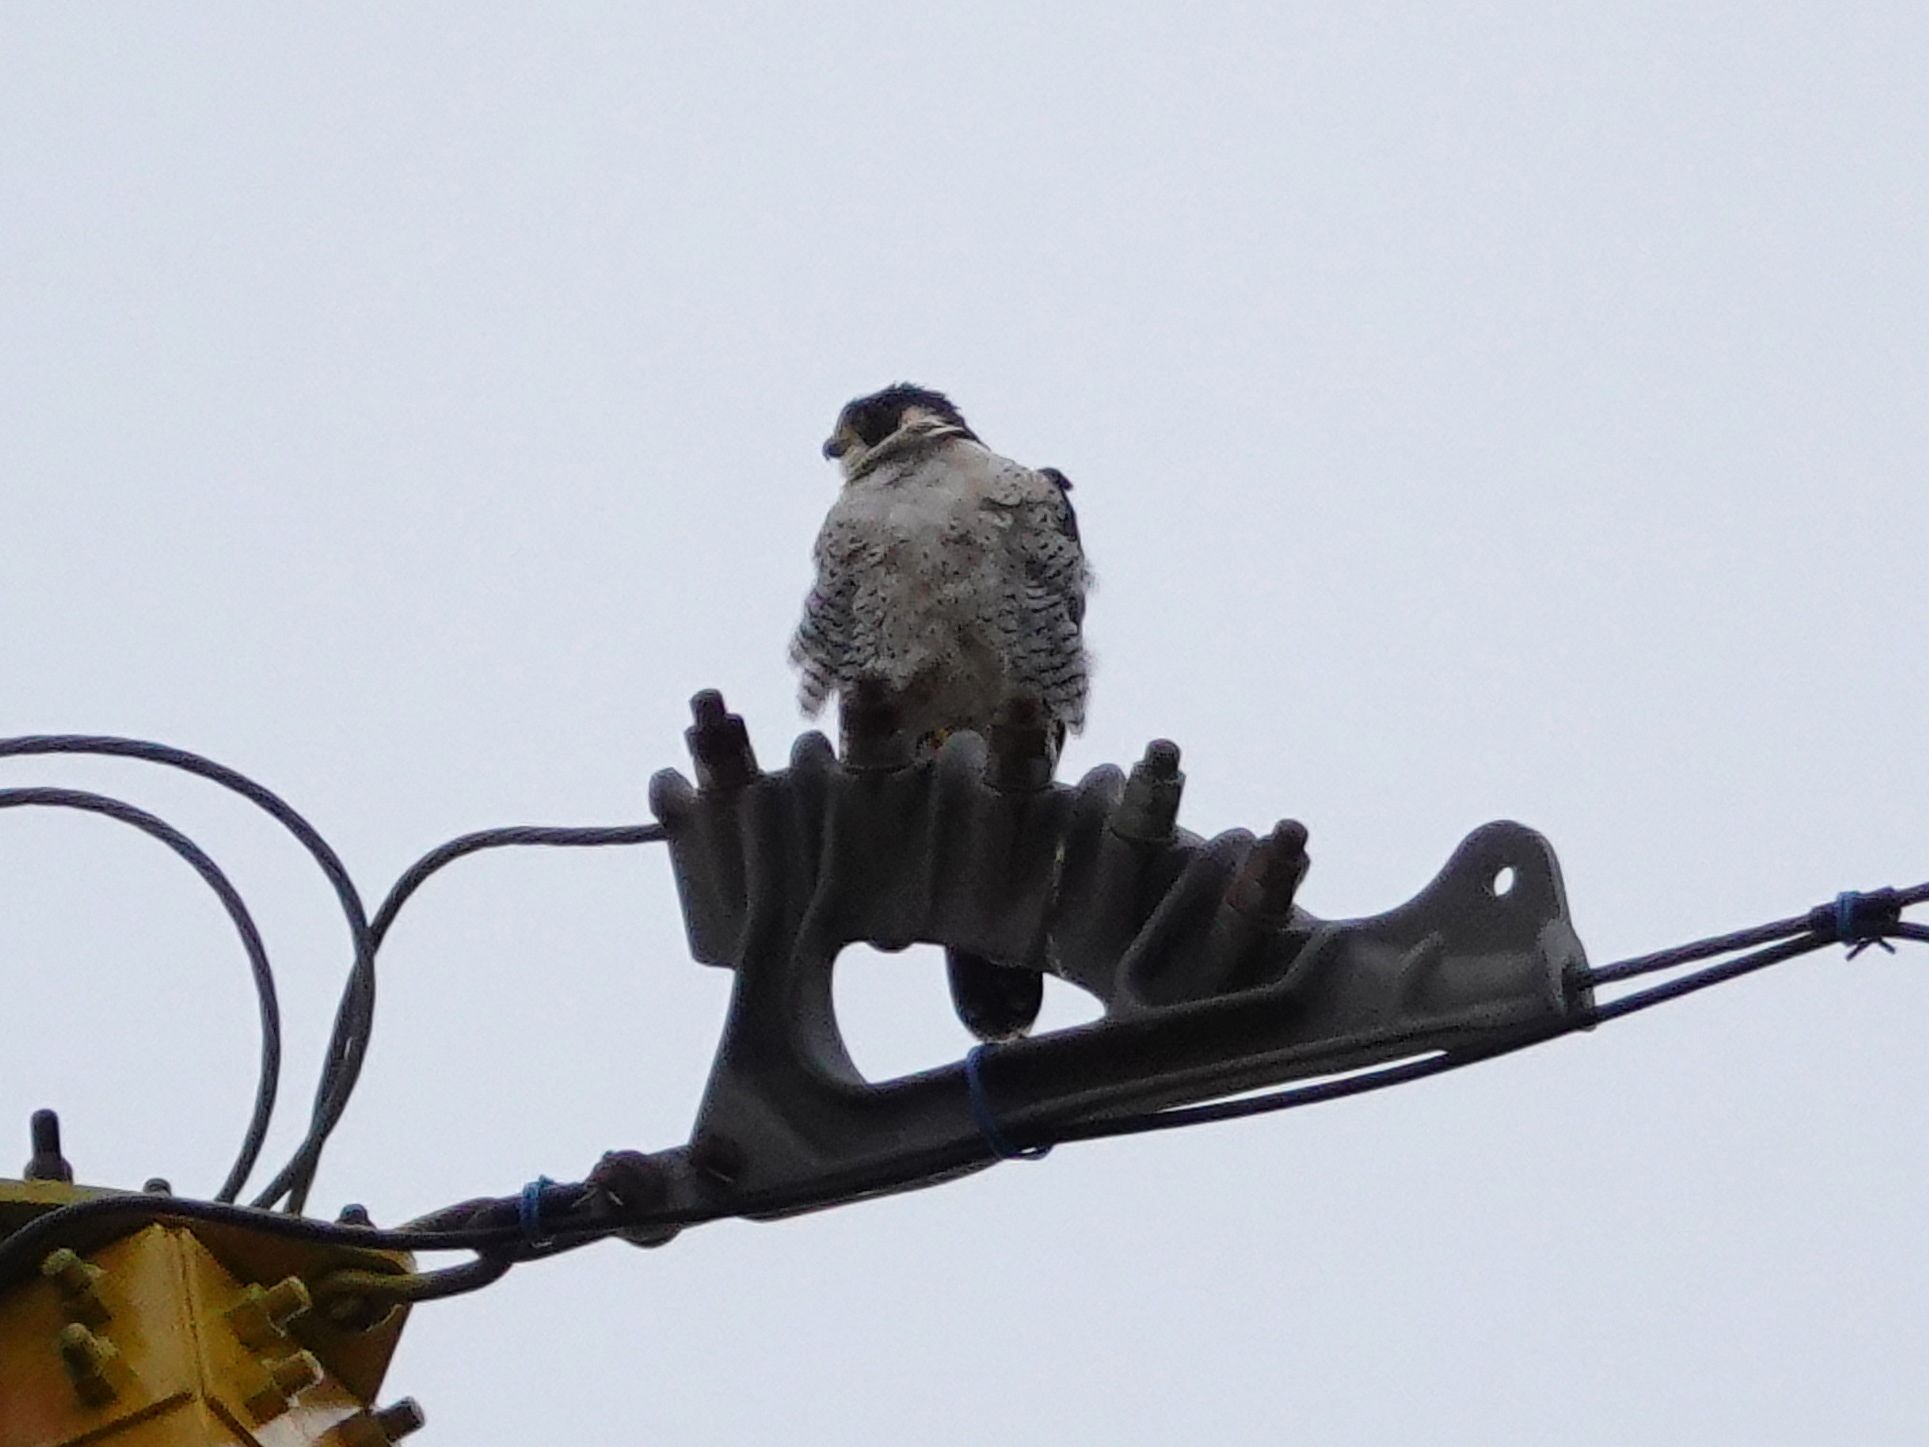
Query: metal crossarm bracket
[
  {"x": 1215, "y": 983},
  {"x": 1213, "y": 980}
]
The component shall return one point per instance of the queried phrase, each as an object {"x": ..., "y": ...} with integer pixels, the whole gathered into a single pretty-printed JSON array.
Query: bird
[{"x": 951, "y": 581}]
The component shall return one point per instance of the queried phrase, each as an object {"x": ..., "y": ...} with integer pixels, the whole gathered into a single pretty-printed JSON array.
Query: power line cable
[
  {"x": 268, "y": 1073},
  {"x": 354, "y": 1021},
  {"x": 354, "y": 1016},
  {"x": 499, "y": 1229},
  {"x": 362, "y": 973},
  {"x": 577, "y": 1214},
  {"x": 1855, "y": 920},
  {"x": 417, "y": 874}
]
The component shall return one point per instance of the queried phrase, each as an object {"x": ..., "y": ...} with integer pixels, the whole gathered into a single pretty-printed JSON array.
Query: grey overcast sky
[{"x": 1477, "y": 410}]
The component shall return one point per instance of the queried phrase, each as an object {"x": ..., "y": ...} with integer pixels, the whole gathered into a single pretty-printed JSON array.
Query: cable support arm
[{"x": 1215, "y": 981}]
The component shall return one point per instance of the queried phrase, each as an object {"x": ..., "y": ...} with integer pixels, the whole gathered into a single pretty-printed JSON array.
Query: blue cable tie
[
  {"x": 987, "y": 1119},
  {"x": 1852, "y": 932},
  {"x": 529, "y": 1214}
]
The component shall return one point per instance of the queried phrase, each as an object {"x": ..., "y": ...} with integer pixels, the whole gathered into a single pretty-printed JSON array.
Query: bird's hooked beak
[{"x": 835, "y": 448}]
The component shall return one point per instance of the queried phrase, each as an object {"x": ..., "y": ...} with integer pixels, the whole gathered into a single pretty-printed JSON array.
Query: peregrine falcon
[{"x": 953, "y": 579}]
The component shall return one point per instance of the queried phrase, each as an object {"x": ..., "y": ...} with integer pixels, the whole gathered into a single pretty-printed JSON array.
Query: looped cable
[
  {"x": 987, "y": 1119},
  {"x": 357, "y": 1299},
  {"x": 268, "y": 1075}
]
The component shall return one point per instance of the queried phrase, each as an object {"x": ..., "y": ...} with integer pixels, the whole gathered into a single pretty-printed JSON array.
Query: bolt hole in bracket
[{"x": 1213, "y": 979}]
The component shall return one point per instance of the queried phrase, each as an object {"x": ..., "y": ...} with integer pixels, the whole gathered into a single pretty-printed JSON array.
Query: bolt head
[
  {"x": 296, "y": 1373},
  {"x": 47, "y": 1163},
  {"x": 867, "y": 720},
  {"x": 401, "y": 1418},
  {"x": 287, "y": 1299},
  {"x": 83, "y": 1352},
  {"x": 719, "y": 744},
  {"x": 87, "y": 1358},
  {"x": 1161, "y": 759},
  {"x": 1271, "y": 875},
  {"x": 65, "y": 1268}
]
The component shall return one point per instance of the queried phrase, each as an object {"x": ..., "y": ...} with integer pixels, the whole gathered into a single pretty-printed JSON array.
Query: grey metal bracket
[{"x": 1213, "y": 980}]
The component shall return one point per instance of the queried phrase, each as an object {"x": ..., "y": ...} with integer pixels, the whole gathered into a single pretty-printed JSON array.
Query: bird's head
[{"x": 888, "y": 420}]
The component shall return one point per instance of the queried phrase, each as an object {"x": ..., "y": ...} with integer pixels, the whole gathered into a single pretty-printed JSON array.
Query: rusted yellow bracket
[{"x": 180, "y": 1335}]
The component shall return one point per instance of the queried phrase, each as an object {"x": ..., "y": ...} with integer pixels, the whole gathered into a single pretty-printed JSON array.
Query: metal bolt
[
  {"x": 259, "y": 1318},
  {"x": 354, "y": 1214},
  {"x": 400, "y": 1418},
  {"x": 287, "y": 1299},
  {"x": 47, "y": 1163},
  {"x": 719, "y": 744},
  {"x": 868, "y": 721},
  {"x": 1271, "y": 875},
  {"x": 65, "y": 1269},
  {"x": 158, "y": 1186},
  {"x": 379, "y": 1428},
  {"x": 1023, "y": 744},
  {"x": 1150, "y": 804},
  {"x": 78, "y": 1281},
  {"x": 87, "y": 1359},
  {"x": 284, "y": 1378},
  {"x": 295, "y": 1373}
]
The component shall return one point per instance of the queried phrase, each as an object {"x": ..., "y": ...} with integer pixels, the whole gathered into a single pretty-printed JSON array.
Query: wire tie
[
  {"x": 1859, "y": 920},
  {"x": 987, "y": 1118},
  {"x": 529, "y": 1214}
]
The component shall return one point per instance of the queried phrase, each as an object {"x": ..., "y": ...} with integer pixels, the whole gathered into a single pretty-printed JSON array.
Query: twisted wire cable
[
  {"x": 331, "y": 1093},
  {"x": 268, "y": 1073},
  {"x": 348, "y": 1039},
  {"x": 1854, "y": 920}
]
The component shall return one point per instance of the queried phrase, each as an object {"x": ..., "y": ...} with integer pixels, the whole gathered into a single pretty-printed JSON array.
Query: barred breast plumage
[{"x": 955, "y": 577}]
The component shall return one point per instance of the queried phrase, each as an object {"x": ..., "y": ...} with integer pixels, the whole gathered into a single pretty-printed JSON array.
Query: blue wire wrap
[
  {"x": 1862, "y": 920},
  {"x": 987, "y": 1119},
  {"x": 529, "y": 1214}
]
